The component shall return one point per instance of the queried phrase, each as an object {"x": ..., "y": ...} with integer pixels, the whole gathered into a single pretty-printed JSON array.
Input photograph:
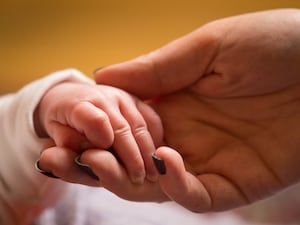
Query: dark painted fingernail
[
  {"x": 97, "y": 69},
  {"x": 86, "y": 168},
  {"x": 44, "y": 172},
  {"x": 159, "y": 164}
]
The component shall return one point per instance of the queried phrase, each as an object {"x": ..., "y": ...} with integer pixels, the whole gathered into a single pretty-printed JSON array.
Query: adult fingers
[
  {"x": 59, "y": 162},
  {"x": 198, "y": 193},
  {"x": 114, "y": 177},
  {"x": 180, "y": 185},
  {"x": 168, "y": 69}
]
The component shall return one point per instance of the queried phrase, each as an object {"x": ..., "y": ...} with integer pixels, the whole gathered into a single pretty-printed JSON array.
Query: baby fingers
[
  {"x": 133, "y": 142},
  {"x": 93, "y": 123}
]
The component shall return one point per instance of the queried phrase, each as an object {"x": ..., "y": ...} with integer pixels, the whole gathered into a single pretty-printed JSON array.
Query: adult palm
[{"x": 228, "y": 96}]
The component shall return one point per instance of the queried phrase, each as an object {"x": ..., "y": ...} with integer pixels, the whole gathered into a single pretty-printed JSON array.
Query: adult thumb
[
  {"x": 168, "y": 69},
  {"x": 178, "y": 184}
]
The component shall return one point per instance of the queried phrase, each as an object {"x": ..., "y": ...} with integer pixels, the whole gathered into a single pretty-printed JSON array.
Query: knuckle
[
  {"x": 100, "y": 119},
  {"x": 140, "y": 130},
  {"x": 81, "y": 109},
  {"x": 122, "y": 130},
  {"x": 76, "y": 111},
  {"x": 136, "y": 130}
]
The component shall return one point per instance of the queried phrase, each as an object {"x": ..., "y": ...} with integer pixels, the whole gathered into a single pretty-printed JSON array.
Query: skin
[
  {"x": 78, "y": 116},
  {"x": 228, "y": 97}
]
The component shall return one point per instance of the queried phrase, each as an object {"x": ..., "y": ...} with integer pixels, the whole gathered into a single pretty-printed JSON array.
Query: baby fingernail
[
  {"x": 159, "y": 164},
  {"x": 139, "y": 179},
  {"x": 152, "y": 178},
  {"x": 86, "y": 168}
]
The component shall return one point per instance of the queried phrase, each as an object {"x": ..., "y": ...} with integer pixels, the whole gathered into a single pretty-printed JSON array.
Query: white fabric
[
  {"x": 24, "y": 193},
  {"x": 21, "y": 187}
]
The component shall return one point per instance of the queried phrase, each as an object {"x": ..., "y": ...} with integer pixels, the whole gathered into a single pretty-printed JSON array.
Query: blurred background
[{"x": 39, "y": 37}]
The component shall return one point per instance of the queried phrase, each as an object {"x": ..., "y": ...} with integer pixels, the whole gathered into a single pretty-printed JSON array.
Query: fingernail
[
  {"x": 97, "y": 69},
  {"x": 159, "y": 164},
  {"x": 86, "y": 168},
  {"x": 139, "y": 179},
  {"x": 152, "y": 178},
  {"x": 44, "y": 172}
]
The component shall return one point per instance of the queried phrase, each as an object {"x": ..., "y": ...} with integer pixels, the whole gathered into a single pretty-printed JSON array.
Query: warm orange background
[{"x": 38, "y": 37}]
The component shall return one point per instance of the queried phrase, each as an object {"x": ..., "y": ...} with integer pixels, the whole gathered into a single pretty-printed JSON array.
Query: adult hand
[{"x": 229, "y": 102}]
